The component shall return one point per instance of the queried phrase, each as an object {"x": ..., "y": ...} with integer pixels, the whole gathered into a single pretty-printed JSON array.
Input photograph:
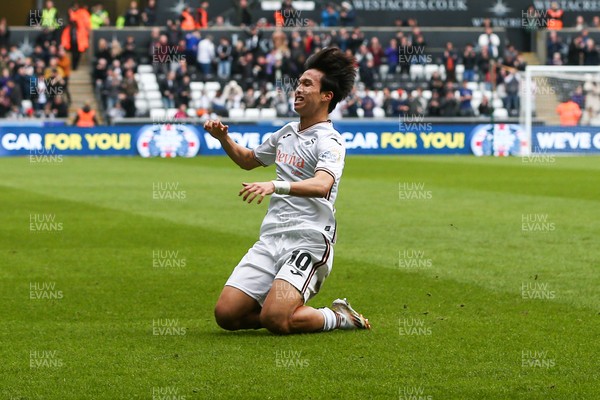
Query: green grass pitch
[{"x": 480, "y": 277}]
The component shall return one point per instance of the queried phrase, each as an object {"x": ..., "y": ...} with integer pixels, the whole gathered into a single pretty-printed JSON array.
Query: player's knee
[
  {"x": 225, "y": 318},
  {"x": 275, "y": 322}
]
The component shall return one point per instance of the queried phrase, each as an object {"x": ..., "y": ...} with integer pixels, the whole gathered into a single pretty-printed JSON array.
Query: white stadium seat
[
  {"x": 498, "y": 103},
  {"x": 500, "y": 113},
  {"x": 191, "y": 112},
  {"x": 417, "y": 71},
  {"x": 145, "y": 69},
  {"x": 171, "y": 112},
  {"x": 153, "y": 95},
  {"x": 360, "y": 112},
  {"x": 196, "y": 86},
  {"x": 268, "y": 113},
  {"x": 150, "y": 86},
  {"x": 155, "y": 103},
  {"x": 141, "y": 105},
  {"x": 378, "y": 112},
  {"x": 158, "y": 113},
  {"x": 253, "y": 113},
  {"x": 236, "y": 113},
  {"x": 212, "y": 86}
]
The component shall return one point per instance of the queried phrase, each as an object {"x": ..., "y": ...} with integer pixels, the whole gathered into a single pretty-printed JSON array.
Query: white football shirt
[{"x": 298, "y": 155}]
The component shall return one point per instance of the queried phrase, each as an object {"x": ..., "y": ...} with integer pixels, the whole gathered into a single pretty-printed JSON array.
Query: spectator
[
  {"x": 60, "y": 109},
  {"x": 100, "y": 72},
  {"x": 433, "y": 107},
  {"x": 469, "y": 60},
  {"x": 554, "y": 45},
  {"x": 449, "y": 105},
  {"x": 391, "y": 54},
  {"x": 99, "y": 17},
  {"x": 578, "y": 97},
  {"x": 353, "y": 104},
  {"x": 450, "y": 61},
  {"x": 243, "y": 16},
  {"x": 347, "y": 15},
  {"x": 483, "y": 65},
  {"x": 404, "y": 56},
  {"x": 555, "y": 16},
  {"x": 206, "y": 55},
  {"x": 110, "y": 90},
  {"x": 436, "y": 84},
  {"x": 50, "y": 16},
  {"x": 103, "y": 51},
  {"x": 330, "y": 17},
  {"x": 367, "y": 104},
  {"x": 187, "y": 20},
  {"x": 466, "y": 95},
  {"x": 181, "y": 112},
  {"x": 556, "y": 59},
  {"x": 367, "y": 74},
  {"x": 149, "y": 14},
  {"x": 86, "y": 117},
  {"x": 376, "y": 51},
  {"x": 569, "y": 113},
  {"x": 224, "y": 53},
  {"x": 202, "y": 16},
  {"x": 129, "y": 88},
  {"x": 64, "y": 62},
  {"x": 576, "y": 51},
  {"x": 490, "y": 41},
  {"x": 117, "y": 111},
  {"x": 132, "y": 15},
  {"x": 75, "y": 36},
  {"x": 248, "y": 101},
  {"x": 184, "y": 93},
  {"x": 580, "y": 23},
  {"x": 4, "y": 33},
  {"x": 596, "y": 22},
  {"x": 512, "y": 83},
  {"x": 168, "y": 88},
  {"x": 415, "y": 107},
  {"x": 264, "y": 100},
  {"x": 590, "y": 53},
  {"x": 485, "y": 109}
]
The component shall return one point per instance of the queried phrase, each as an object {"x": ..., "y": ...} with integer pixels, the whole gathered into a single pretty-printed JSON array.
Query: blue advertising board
[
  {"x": 562, "y": 139},
  {"x": 178, "y": 140}
]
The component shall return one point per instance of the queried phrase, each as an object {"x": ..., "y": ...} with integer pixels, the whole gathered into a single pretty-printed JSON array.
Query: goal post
[{"x": 544, "y": 87}]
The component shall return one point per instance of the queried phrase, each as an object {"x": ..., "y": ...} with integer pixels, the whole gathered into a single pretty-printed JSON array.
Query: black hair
[{"x": 339, "y": 72}]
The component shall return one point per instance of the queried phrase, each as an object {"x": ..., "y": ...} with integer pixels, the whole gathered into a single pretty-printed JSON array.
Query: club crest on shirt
[
  {"x": 310, "y": 142},
  {"x": 333, "y": 156}
]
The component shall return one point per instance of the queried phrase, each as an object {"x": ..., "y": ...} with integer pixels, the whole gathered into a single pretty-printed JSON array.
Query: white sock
[{"x": 332, "y": 319}]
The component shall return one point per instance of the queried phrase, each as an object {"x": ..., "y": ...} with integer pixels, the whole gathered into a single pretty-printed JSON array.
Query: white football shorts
[{"x": 302, "y": 258}]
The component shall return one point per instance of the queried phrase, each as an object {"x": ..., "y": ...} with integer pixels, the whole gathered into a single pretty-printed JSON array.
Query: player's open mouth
[{"x": 298, "y": 99}]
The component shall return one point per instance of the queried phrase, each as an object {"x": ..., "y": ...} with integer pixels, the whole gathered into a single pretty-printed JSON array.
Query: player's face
[{"x": 308, "y": 98}]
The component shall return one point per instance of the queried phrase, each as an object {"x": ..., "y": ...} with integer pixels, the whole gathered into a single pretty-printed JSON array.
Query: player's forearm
[
  {"x": 239, "y": 154},
  {"x": 312, "y": 187}
]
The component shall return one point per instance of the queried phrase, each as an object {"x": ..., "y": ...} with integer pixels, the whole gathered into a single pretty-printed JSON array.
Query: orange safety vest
[
  {"x": 82, "y": 19},
  {"x": 569, "y": 113},
  {"x": 202, "y": 18},
  {"x": 279, "y": 21},
  {"x": 188, "y": 23},
  {"x": 555, "y": 20},
  {"x": 86, "y": 119}
]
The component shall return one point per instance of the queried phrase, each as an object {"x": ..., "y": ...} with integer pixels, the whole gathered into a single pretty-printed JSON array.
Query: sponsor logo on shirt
[{"x": 290, "y": 159}]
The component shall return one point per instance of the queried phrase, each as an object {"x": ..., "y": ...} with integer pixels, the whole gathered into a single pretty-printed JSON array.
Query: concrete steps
[{"x": 81, "y": 89}]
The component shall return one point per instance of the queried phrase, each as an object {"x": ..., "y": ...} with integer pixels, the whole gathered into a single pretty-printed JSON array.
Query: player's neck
[{"x": 307, "y": 122}]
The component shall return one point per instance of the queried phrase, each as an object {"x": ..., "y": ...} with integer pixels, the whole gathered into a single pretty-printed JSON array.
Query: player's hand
[
  {"x": 251, "y": 191},
  {"x": 216, "y": 128}
]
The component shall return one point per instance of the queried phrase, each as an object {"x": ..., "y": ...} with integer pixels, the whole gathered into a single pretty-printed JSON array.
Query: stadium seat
[
  {"x": 171, "y": 112},
  {"x": 501, "y": 113},
  {"x": 378, "y": 112},
  {"x": 141, "y": 104},
  {"x": 417, "y": 72},
  {"x": 212, "y": 86},
  {"x": 429, "y": 70},
  {"x": 191, "y": 112},
  {"x": 150, "y": 86},
  {"x": 26, "y": 104},
  {"x": 427, "y": 94},
  {"x": 498, "y": 103},
  {"x": 253, "y": 113},
  {"x": 196, "y": 94},
  {"x": 474, "y": 86},
  {"x": 236, "y": 113},
  {"x": 268, "y": 113},
  {"x": 155, "y": 103},
  {"x": 196, "y": 86},
  {"x": 460, "y": 69},
  {"x": 153, "y": 95},
  {"x": 360, "y": 112},
  {"x": 147, "y": 78},
  {"x": 158, "y": 113},
  {"x": 145, "y": 69}
]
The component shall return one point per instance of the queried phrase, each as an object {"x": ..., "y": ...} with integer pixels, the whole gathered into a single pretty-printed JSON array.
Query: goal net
[{"x": 546, "y": 90}]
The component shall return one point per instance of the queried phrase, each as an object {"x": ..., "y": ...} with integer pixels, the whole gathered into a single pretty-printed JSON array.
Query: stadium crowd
[{"x": 260, "y": 69}]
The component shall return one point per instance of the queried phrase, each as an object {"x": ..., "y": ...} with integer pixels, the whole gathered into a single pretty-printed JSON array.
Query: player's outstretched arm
[
  {"x": 239, "y": 154},
  {"x": 318, "y": 186}
]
